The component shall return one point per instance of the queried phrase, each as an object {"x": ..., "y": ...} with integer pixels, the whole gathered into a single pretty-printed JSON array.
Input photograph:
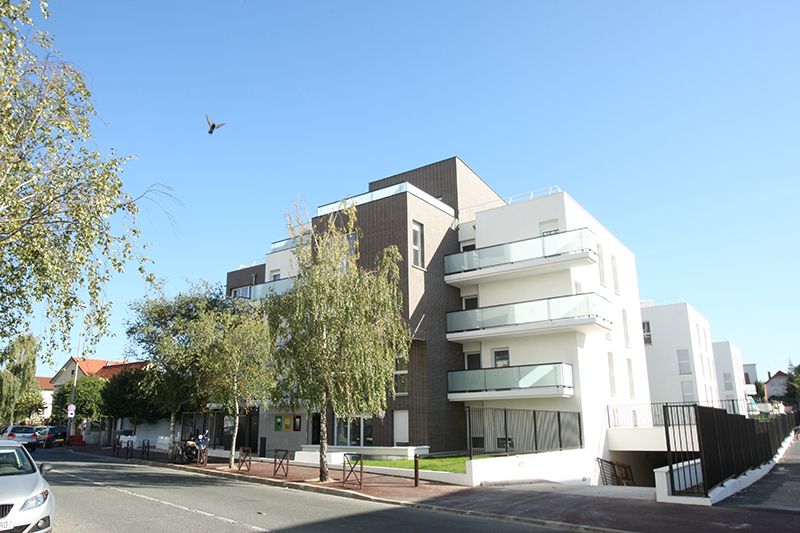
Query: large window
[
  {"x": 356, "y": 432},
  {"x": 501, "y": 358},
  {"x": 648, "y": 336},
  {"x": 684, "y": 362},
  {"x": 469, "y": 302},
  {"x": 687, "y": 390},
  {"x": 615, "y": 274},
  {"x": 625, "y": 327},
  {"x": 417, "y": 245},
  {"x": 275, "y": 275},
  {"x": 728, "y": 380},
  {"x": 241, "y": 292},
  {"x": 602, "y": 264},
  {"x": 631, "y": 387},
  {"x": 473, "y": 360},
  {"x": 400, "y": 376}
]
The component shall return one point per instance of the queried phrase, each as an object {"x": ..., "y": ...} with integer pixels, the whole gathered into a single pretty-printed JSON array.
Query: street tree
[
  {"x": 20, "y": 396},
  {"x": 126, "y": 395},
  {"x": 160, "y": 330},
  {"x": 88, "y": 399},
  {"x": 66, "y": 224},
  {"x": 342, "y": 327},
  {"x": 238, "y": 346}
]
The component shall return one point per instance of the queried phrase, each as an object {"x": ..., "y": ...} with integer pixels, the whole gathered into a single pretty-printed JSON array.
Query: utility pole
[{"x": 74, "y": 382}]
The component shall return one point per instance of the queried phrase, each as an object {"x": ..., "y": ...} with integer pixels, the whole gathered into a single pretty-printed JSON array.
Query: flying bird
[{"x": 212, "y": 126}]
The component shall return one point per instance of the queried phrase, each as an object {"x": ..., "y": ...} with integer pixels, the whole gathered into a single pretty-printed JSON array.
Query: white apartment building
[
  {"x": 550, "y": 317},
  {"x": 730, "y": 373},
  {"x": 680, "y": 357}
]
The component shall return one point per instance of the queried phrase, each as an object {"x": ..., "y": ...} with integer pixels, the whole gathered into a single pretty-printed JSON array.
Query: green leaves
[
  {"x": 59, "y": 197},
  {"x": 20, "y": 396},
  {"x": 88, "y": 399}
]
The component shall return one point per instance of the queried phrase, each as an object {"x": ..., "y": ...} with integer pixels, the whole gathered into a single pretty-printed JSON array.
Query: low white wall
[
  {"x": 641, "y": 439},
  {"x": 406, "y": 452},
  {"x": 560, "y": 467}
]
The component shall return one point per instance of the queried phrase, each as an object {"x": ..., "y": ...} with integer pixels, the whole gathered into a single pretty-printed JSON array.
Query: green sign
[{"x": 278, "y": 423}]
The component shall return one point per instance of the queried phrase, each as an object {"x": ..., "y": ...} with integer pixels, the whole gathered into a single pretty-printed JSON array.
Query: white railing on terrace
[
  {"x": 465, "y": 212},
  {"x": 384, "y": 193}
]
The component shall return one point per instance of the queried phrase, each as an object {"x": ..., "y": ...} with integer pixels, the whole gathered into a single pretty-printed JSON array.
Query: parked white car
[{"x": 26, "y": 499}]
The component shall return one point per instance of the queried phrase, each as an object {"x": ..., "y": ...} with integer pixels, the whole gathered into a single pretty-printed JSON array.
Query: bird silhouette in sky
[{"x": 212, "y": 125}]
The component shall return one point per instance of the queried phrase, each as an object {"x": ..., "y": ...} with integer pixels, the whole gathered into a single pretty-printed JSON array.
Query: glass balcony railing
[
  {"x": 572, "y": 306},
  {"x": 568, "y": 242},
  {"x": 510, "y": 378},
  {"x": 278, "y": 286}
]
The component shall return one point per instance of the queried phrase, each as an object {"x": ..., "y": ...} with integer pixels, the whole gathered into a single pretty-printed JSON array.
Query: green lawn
[{"x": 457, "y": 465}]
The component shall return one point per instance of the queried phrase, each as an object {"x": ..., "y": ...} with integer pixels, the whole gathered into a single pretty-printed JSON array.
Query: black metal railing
[
  {"x": 506, "y": 431},
  {"x": 706, "y": 445},
  {"x": 652, "y": 414}
]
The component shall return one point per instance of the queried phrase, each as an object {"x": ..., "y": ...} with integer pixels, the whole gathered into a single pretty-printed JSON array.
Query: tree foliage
[
  {"x": 66, "y": 225},
  {"x": 20, "y": 396},
  {"x": 88, "y": 399},
  {"x": 343, "y": 327},
  {"x": 238, "y": 347},
  {"x": 126, "y": 395},
  {"x": 162, "y": 331}
]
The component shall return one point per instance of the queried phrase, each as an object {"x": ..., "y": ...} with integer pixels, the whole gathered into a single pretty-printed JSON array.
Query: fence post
[
  {"x": 416, "y": 470},
  {"x": 505, "y": 428},
  {"x": 469, "y": 432},
  {"x": 535, "y": 437},
  {"x": 560, "y": 441}
]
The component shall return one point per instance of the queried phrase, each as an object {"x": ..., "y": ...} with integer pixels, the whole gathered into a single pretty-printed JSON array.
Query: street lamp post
[{"x": 74, "y": 384}]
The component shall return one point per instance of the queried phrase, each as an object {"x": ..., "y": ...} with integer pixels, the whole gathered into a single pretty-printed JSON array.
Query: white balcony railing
[{"x": 510, "y": 378}]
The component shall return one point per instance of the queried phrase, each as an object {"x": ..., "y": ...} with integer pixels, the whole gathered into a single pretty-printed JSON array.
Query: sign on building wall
[
  {"x": 297, "y": 423},
  {"x": 278, "y": 423}
]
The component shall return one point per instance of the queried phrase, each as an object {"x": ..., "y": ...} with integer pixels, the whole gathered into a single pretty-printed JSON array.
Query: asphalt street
[{"x": 95, "y": 494}]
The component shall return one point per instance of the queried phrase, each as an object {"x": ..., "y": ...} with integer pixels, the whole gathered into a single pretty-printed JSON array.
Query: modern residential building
[
  {"x": 680, "y": 357},
  {"x": 524, "y": 312},
  {"x": 750, "y": 373},
  {"x": 730, "y": 373}
]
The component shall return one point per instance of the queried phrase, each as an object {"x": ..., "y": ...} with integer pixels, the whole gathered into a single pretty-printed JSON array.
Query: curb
[{"x": 342, "y": 493}]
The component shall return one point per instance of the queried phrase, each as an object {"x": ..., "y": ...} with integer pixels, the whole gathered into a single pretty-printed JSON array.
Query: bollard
[{"x": 416, "y": 470}]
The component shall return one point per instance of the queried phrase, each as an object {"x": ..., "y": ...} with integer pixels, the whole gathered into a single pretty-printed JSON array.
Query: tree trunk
[
  {"x": 171, "y": 445},
  {"x": 323, "y": 441},
  {"x": 235, "y": 434}
]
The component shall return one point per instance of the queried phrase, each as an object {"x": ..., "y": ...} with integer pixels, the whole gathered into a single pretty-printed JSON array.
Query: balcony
[
  {"x": 278, "y": 286},
  {"x": 552, "y": 380},
  {"x": 578, "y": 312},
  {"x": 538, "y": 255}
]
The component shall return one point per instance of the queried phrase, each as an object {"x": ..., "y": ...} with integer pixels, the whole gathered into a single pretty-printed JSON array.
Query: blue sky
[{"x": 675, "y": 123}]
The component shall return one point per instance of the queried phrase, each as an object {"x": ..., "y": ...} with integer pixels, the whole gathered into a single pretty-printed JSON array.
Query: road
[{"x": 96, "y": 494}]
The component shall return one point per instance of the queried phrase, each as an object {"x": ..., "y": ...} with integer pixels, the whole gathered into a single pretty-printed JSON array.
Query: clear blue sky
[{"x": 675, "y": 123}]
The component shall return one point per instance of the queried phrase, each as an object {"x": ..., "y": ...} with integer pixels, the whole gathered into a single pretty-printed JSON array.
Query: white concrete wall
[
  {"x": 558, "y": 467},
  {"x": 284, "y": 261},
  {"x": 47, "y": 400},
  {"x": 674, "y": 327},
  {"x": 283, "y": 440}
]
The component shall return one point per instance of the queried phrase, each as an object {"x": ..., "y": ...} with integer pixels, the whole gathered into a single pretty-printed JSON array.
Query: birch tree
[
  {"x": 343, "y": 327},
  {"x": 66, "y": 224}
]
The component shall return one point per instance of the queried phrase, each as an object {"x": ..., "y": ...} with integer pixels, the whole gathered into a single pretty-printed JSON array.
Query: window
[
  {"x": 548, "y": 227},
  {"x": 728, "y": 379},
  {"x": 275, "y": 275},
  {"x": 356, "y": 432},
  {"x": 400, "y": 428},
  {"x": 468, "y": 247},
  {"x": 400, "y": 377},
  {"x": 601, "y": 264},
  {"x": 631, "y": 387},
  {"x": 612, "y": 382},
  {"x": 687, "y": 390},
  {"x": 615, "y": 274},
  {"x": 501, "y": 358},
  {"x": 241, "y": 292},
  {"x": 417, "y": 245},
  {"x": 684, "y": 362},
  {"x": 648, "y": 336},
  {"x": 473, "y": 360},
  {"x": 469, "y": 302},
  {"x": 625, "y": 327}
]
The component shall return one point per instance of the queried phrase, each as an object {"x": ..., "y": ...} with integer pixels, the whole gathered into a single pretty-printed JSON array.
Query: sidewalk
[{"x": 529, "y": 503}]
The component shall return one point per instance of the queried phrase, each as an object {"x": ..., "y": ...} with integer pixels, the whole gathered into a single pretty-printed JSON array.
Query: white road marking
[{"x": 164, "y": 502}]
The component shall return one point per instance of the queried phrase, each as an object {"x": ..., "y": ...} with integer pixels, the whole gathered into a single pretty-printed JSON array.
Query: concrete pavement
[{"x": 95, "y": 494}]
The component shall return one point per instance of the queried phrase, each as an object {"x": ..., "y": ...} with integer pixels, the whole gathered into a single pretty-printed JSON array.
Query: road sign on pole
[{"x": 71, "y": 410}]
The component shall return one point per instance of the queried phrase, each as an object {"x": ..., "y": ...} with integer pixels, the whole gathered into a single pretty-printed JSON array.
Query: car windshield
[{"x": 14, "y": 461}]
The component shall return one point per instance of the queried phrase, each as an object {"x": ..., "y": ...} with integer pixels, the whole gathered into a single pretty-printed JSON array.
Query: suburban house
[
  {"x": 750, "y": 373},
  {"x": 47, "y": 395},
  {"x": 730, "y": 374},
  {"x": 680, "y": 357},
  {"x": 525, "y": 318},
  {"x": 776, "y": 385},
  {"x": 84, "y": 367}
]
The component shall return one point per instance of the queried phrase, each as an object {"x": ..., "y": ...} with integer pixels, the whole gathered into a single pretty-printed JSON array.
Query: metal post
[
  {"x": 416, "y": 470},
  {"x": 74, "y": 384},
  {"x": 469, "y": 432},
  {"x": 505, "y": 427},
  {"x": 560, "y": 442}
]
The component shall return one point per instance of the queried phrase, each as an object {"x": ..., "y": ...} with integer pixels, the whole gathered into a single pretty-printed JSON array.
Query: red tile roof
[
  {"x": 111, "y": 370},
  {"x": 44, "y": 382}
]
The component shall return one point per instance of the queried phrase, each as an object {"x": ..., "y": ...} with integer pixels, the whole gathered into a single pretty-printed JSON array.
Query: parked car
[
  {"x": 27, "y": 499},
  {"x": 25, "y": 435},
  {"x": 53, "y": 436}
]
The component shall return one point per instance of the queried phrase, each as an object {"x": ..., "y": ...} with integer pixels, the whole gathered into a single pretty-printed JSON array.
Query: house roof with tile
[
  {"x": 109, "y": 371},
  {"x": 44, "y": 382}
]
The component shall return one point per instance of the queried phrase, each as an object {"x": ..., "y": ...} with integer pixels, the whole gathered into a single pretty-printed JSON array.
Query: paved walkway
[
  {"x": 571, "y": 510},
  {"x": 777, "y": 491}
]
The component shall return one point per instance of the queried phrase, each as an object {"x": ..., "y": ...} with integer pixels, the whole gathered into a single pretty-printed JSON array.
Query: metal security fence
[
  {"x": 706, "y": 446},
  {"x": 498, "y": 431},
  {"x": 652, "y": 414}
]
